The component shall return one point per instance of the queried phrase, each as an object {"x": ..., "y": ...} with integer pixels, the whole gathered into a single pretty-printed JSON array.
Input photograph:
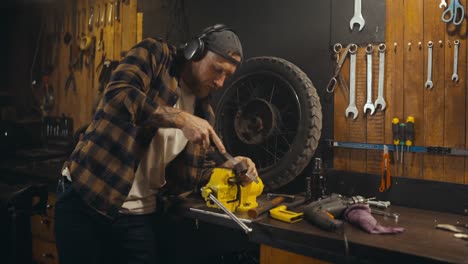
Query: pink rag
[{"x": 360, "y": 215}]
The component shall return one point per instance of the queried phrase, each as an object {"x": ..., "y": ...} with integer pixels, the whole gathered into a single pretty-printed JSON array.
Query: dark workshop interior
[{"x": 347, "y": 121}]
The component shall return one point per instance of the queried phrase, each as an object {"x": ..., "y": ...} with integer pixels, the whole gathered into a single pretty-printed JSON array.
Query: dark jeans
[{"x": 85, "y": 236}]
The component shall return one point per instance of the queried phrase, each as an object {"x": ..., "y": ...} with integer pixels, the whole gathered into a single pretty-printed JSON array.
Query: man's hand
[
  {"x": 195, "y": 129},
  {"x": 198, "y": 130},
  {"x": 251, "y": 169}
]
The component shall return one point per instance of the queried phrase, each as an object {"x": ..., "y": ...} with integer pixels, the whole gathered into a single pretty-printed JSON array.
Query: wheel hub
[{"x": 256, "y": 121}]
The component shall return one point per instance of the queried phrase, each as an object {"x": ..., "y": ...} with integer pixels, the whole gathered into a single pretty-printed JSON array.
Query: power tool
[{"x": 324, "y": 213}]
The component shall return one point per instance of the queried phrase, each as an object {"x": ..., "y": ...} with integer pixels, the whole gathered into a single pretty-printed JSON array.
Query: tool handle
[
  {"x": 323, "y": 220},
  {"x": 409, "y": 131},
  {"x": 401, "y": 134},
  {"x": 395, "y": 131},
  {"x": 255, "y": 212}
]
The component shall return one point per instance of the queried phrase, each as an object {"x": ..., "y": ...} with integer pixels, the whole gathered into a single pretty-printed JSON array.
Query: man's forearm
[{"x": 165, "y": 116}]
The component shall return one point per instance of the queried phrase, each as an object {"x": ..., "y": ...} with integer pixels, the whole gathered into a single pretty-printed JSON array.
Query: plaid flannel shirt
[{"x": 104, "y": 161}]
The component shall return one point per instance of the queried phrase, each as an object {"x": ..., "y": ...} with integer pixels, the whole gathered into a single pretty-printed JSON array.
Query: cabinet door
[{"x": 44, "y": 252}]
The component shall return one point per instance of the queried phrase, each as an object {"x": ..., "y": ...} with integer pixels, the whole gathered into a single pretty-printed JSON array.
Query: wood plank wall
[
  {"x": 440, "y": 113},
  {"x": 117, "y": 36}
]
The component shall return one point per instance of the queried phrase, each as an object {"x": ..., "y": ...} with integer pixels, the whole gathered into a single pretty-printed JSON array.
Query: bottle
[{"x": 316, "y": 179}]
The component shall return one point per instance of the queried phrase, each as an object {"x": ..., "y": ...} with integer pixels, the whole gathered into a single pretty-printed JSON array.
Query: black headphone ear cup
[{"x": 193, "y": 49}]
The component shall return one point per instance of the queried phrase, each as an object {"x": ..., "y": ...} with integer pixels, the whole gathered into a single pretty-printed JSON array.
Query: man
[{"x": 153, "y": 112}]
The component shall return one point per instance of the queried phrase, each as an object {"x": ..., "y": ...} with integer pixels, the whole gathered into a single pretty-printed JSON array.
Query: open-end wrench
[
  {"x": 369, "y": 105},
  {"x": 380, "y": 99},
  {"x": 443, "y": 4},
  {"x": 357, "y": 18},
  {"x": 352, "y": 109},
  {"x": 429, "y": 83},
  {"x": 456, "y": 43}
]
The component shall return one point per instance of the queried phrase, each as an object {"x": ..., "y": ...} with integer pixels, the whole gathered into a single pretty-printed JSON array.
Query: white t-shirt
[{"x": 166, "y": 144}]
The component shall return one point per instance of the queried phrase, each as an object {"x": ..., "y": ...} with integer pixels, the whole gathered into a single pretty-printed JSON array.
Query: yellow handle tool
[{"x": 281, "y": 213}]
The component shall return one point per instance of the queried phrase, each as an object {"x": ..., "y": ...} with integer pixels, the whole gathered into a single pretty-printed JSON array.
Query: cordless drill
[{"x": 324, "y": 213}]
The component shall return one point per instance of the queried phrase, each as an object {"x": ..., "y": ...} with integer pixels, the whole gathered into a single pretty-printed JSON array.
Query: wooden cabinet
[
  {"x": 43, "y": 238},
  {"x": 271, "y": 255}
]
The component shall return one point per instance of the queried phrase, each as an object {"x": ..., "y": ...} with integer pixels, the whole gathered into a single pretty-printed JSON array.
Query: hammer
[{"x": 255, "y": 212}]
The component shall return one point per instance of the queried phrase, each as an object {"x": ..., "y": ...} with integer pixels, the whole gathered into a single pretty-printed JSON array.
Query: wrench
[
  {"x": 352, "y": 109},
  {"x": 429, "y": 83},
  {"x": 456, "y": 43},
  {"x": 443, "y": 4},
  {"x": 369, "y": 105},
  {"x": 357, "y": 18},
  {"x": 380, "y": 99}
]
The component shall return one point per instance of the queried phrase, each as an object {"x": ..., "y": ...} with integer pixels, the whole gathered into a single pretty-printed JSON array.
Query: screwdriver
[
  {"x": 395, "y": 130},
  {"x": 409, "y": 132},
  {"x": 401, "y": 130}
]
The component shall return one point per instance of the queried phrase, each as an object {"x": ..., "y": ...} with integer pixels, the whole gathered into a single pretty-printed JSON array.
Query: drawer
[
  {"x": 42, "y": 227},
  {"x": 50, "y": 208},
  {"x": 44, "y": 252}
]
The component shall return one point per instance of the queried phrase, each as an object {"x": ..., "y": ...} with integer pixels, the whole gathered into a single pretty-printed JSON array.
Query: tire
[{"x": 270, "y": 111}]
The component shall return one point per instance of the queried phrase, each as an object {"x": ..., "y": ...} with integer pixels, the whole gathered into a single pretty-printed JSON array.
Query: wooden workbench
[{"x": 419, "y": 243}]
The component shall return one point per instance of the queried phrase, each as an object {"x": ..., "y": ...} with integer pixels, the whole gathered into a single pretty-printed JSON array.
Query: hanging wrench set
[{"x": 370, "y": 106}]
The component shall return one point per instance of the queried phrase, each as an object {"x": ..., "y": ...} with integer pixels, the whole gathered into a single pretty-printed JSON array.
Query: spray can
[{"x": 316, "y": 186}]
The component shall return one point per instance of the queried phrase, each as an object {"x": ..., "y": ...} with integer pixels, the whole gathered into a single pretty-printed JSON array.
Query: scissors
[
  {"x": 386, "y": 180},
  {"x": 454, "y": 10}
]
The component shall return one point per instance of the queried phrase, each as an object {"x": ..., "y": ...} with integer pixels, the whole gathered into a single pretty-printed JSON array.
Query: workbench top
[{"x": 420, "y": 242}]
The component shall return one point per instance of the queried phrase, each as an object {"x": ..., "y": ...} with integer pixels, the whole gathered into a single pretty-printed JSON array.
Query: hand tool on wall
[
  {"x": 429, "y": 83},
  {"x": 380, "y": 97},
  {"x": 369, "y": 105},
  {"x": 71, "y": 76},
  {"x": 83, "y": 22},
  {"x": 402, "y": 137},
  {"x": 97, "y": 16},
  {"x": 103, "y": 15},
  {"x": 117, "y": 10},
  {"x": 352, "y": 109},
  {"x": 91, "y": 18},
  {"x": 443, "y": 4},
  {"x": 456, "y": 43},
  {"x": 337, "y": 73},
  {"x": 453, "y": 12},
  {"x": 386, "y": 180},
  {"x": 110, "y": 18},
  {"x": 409, "y": 132},
  {"x": 357, "y": 18},
  {"x": 396, "y": 135},
  {"x": 100, "y": 45}
]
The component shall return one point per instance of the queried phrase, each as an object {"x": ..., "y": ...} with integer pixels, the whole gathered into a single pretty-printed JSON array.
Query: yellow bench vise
[{"x": 224, "y": 185}]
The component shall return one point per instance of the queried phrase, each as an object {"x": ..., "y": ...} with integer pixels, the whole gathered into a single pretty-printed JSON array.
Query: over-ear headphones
[{"x": 195, "y": 48}]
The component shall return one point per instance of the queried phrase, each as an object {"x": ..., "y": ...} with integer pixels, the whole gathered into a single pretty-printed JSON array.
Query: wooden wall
[
  {"x": 117, "y": 36},
  {"x": 440, "y": 112}
]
